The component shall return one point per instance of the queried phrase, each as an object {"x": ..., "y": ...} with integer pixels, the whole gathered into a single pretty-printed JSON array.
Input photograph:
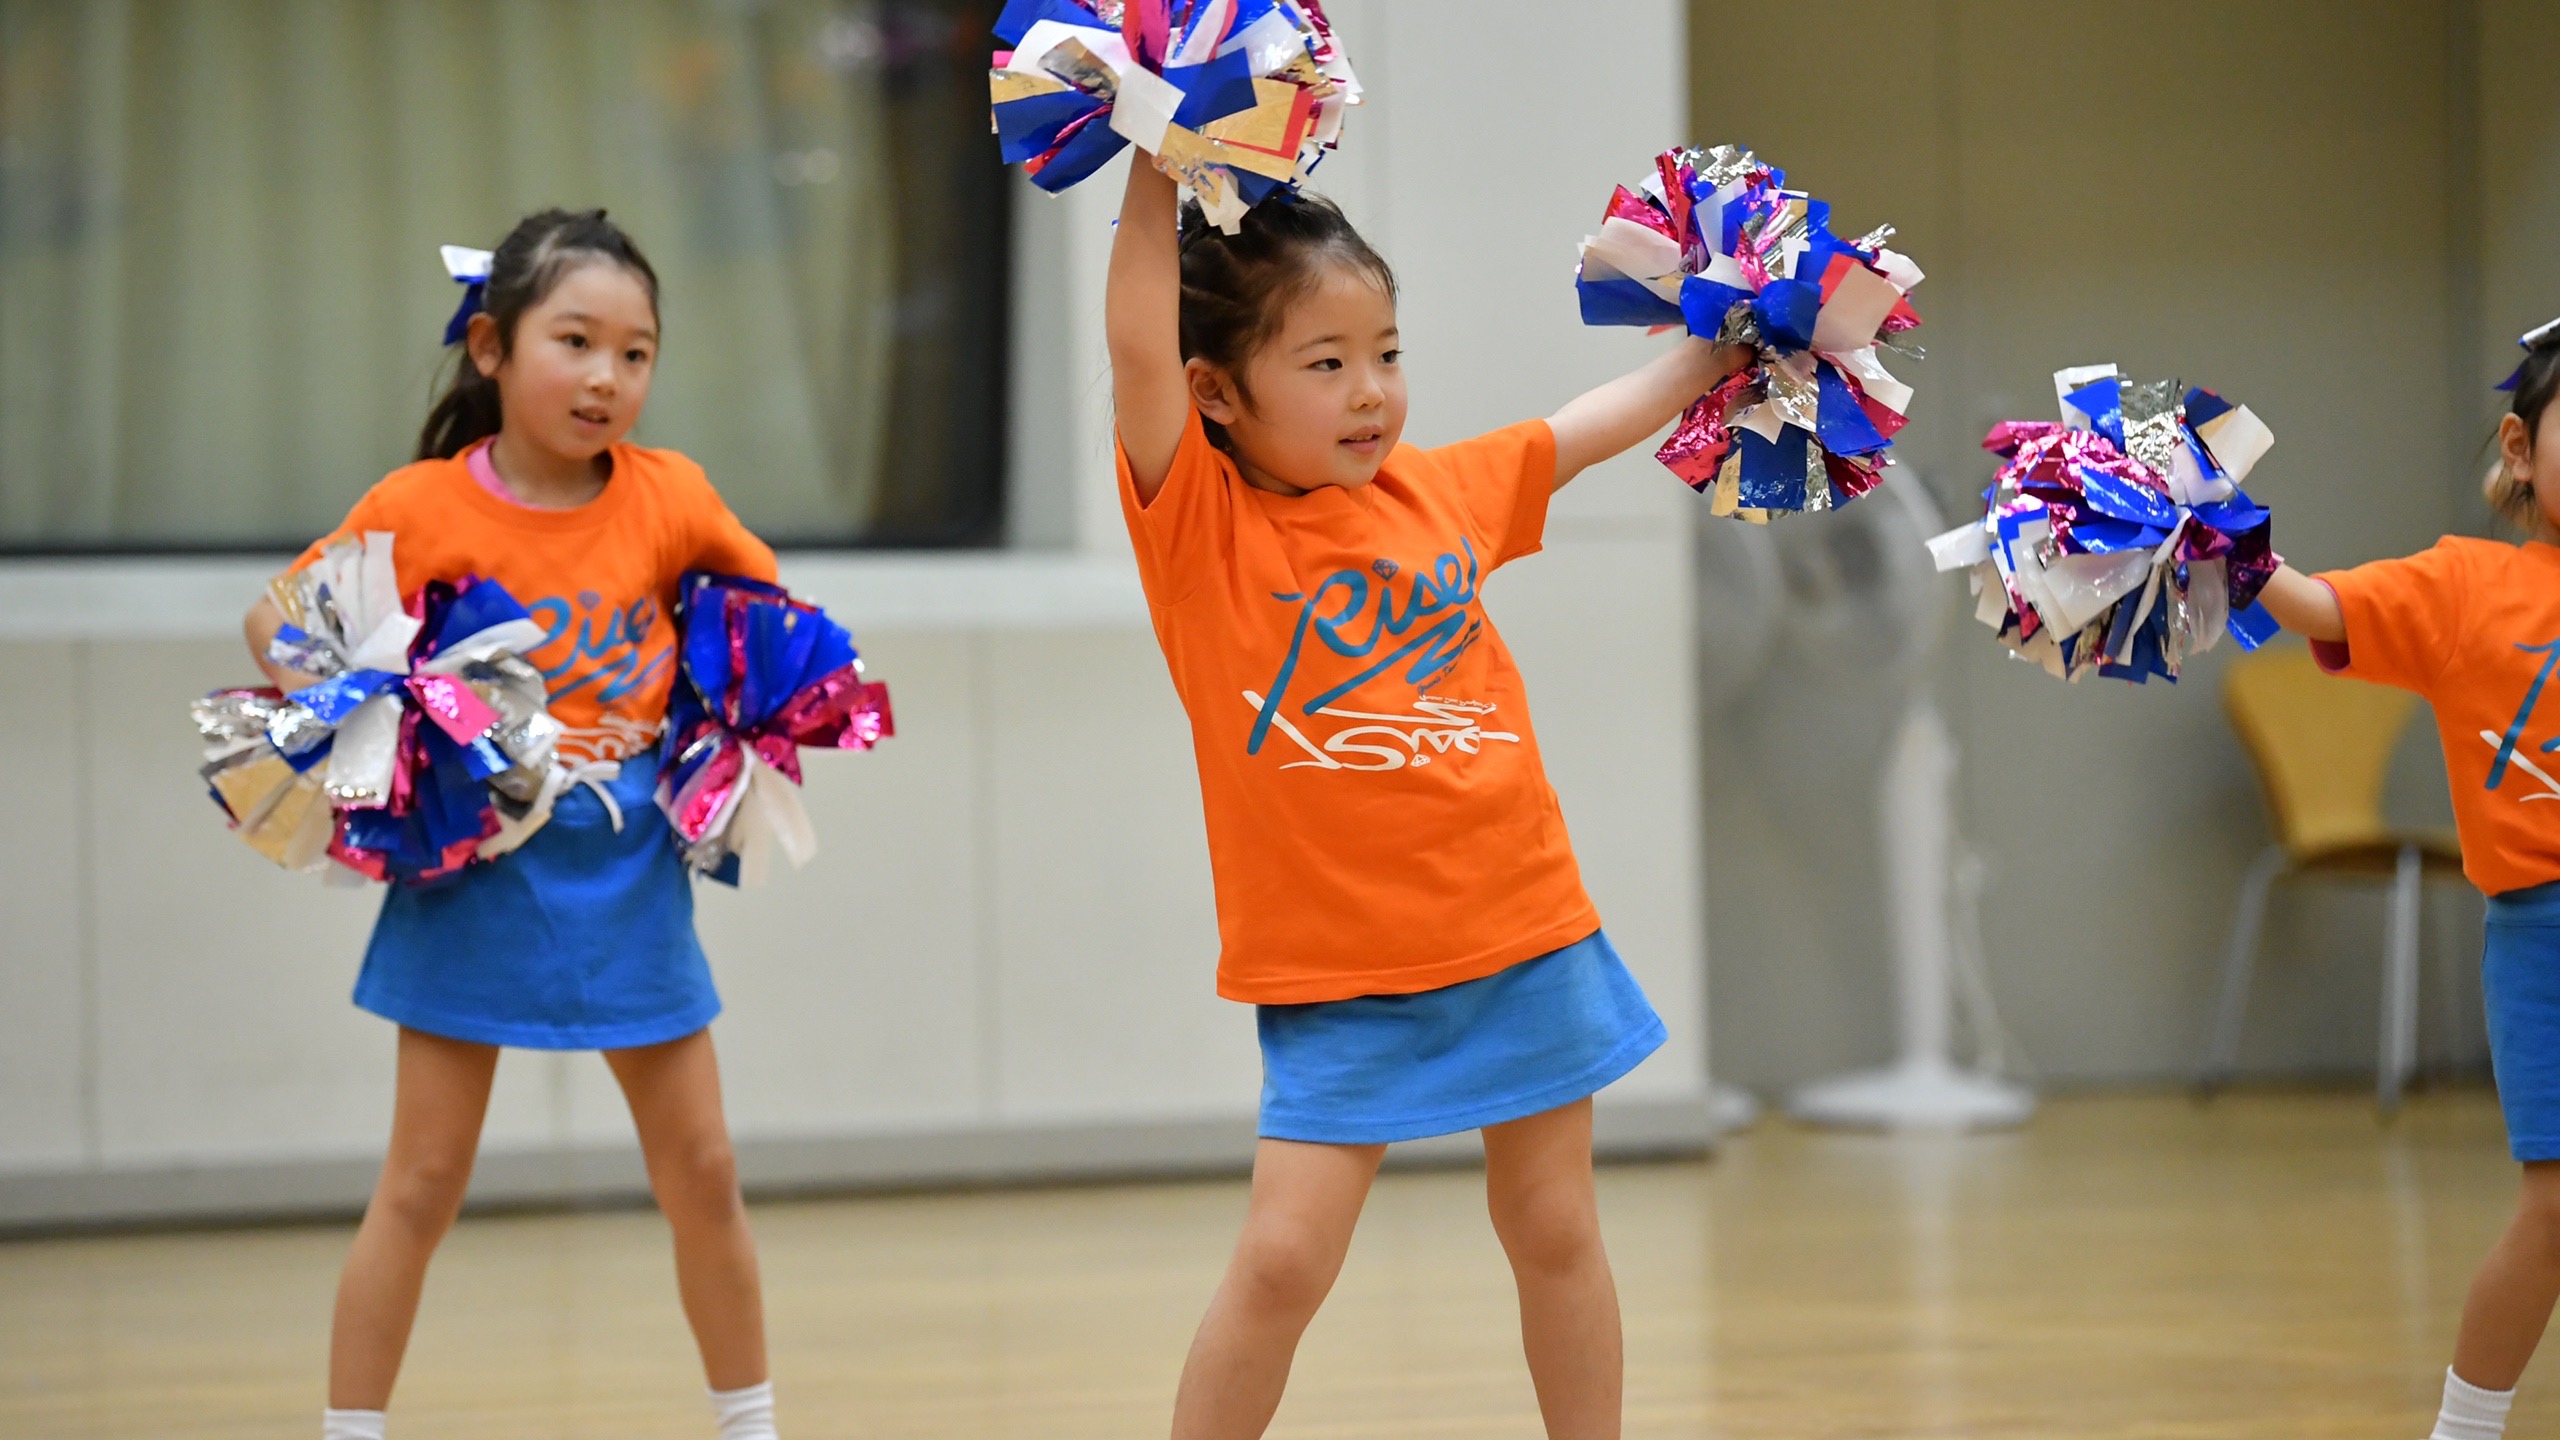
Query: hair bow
[
  {"x": 2536, "y": 336},
  {"x": 469, "y": 269}
]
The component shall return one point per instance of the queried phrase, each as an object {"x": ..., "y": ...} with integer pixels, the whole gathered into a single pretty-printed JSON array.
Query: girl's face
[
  {"x": 1328, "y": 391},
  {"x": 2535, "y": 459},
  {"x": 579, "y": 373}
]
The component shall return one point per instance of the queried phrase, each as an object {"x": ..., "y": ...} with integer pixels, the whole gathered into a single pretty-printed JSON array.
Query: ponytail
[
  {"x": 523, "y": 271},
  {"x": 466, "y": 414}
]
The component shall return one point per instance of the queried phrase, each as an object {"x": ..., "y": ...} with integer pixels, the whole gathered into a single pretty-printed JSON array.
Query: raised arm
[
  {"x": 2303, "y": 605},
  {"x": 1600, "y": 423},
  {"x": 1142, "y": 315}
]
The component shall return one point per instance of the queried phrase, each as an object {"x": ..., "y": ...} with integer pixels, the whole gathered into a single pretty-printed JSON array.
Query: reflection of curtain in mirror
[{"x": 219, "y": 294}]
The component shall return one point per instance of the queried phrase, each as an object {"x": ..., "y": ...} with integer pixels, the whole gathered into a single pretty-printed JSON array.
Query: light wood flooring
[{"x": 2274, "y": 1266}]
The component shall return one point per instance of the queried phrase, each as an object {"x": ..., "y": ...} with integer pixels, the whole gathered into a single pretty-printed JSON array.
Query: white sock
[
  {"x": 2471, "y": 1413},
  {"x": 350, "y": 1425},
  {"x": 748, "y": 1414}
]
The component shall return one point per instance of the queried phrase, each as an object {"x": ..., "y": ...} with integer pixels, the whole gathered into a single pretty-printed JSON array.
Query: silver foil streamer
[
  {"x": 1774, "y": 235},
  {"x": 296, "y": 729},
  {"x": 234, "y": 717},
  {"x": 1817, "y": 480},
  {"x": 1077, "y": 66},
  {"x": 526, "y": 731},
  {"x": 1798, "y": 401},
  {"x": 311, "y": 655},
  {"x": 1722, "y": 165},
  {"x": 1740, "y": 327},
  {"x": 2151, "y": 424}
]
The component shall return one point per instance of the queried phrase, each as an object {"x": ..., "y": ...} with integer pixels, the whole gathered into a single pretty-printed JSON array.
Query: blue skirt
[
  {"x": 582, "y": 939},
  {"x": 2520, "y": 978},
  {"x": 1519, "y": 1042}
]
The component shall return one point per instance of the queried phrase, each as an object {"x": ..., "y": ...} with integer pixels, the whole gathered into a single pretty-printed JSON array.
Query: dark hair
[
  {"x": 526, "y": 267},
  {"x": 1236, "y": 289},
  {"x": 2537, "y": 383}
]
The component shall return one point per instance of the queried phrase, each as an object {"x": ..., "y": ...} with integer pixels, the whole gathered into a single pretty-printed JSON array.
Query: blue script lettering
[
  {"x": 606, "y": 652},
  {"x": 1340, "y": 611}
]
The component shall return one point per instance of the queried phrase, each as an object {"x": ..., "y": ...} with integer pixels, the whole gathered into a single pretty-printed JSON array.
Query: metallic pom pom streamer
[
  {"x": 2118, "y": 541},
  {"x": 1715, "y": 243},
  {"x": 1234, "y": 98}
]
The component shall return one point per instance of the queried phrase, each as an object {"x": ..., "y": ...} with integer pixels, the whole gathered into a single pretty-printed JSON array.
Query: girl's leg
[
  {"x": 1306, "y": 1198},
  {"x": 674, "y": 1091},
  {"x": 2511, "y": 1296},
  {"x": 1538, "y": 1185},
  {"x": 443, "y": 1091}
]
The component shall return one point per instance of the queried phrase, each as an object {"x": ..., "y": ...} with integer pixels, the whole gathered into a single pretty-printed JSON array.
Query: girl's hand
[
  {"x": 2304, "y": 605},
  {"x": 1603, "y": 422},
  {"x": 1142, "y": 316}
]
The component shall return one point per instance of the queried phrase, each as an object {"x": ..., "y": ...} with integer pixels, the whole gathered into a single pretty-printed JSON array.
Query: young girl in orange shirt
[
  {"x": 583, "y": 938},
  {"x": 1396, "y": 891},
  {"x": 2474, "y": 627}
]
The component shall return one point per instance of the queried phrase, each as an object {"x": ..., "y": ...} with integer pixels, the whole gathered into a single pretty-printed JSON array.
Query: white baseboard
[{"x": 1025, "y": 1155}]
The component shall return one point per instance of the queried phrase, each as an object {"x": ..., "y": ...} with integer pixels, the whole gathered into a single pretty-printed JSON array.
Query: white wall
[{"x": 1001, "y": 962}]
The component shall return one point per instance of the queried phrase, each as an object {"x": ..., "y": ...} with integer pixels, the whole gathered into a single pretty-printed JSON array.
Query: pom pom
[
  {"x": 425, "y": 743},
  {"x": 1714, "y": 242},
  {"x": 759, "y": 676},
  {"x": 2118, "y": 541},
  {"x": 1234, "y": 98}
]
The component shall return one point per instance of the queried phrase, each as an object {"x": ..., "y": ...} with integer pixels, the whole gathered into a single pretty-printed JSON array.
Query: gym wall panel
[
  {"x": 44, "y": 1019},
  {"x": 1104, "y": 943}
]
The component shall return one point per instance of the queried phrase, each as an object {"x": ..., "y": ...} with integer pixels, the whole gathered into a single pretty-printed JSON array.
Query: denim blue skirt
[
  {"x": 582, "y": 939},
  {"x": 2520, "y": 978},
  {"x": 1519, "y": 1042}
]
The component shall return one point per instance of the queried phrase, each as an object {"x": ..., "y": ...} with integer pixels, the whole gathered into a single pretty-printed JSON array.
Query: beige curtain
[{"x": 220, "y": 300}]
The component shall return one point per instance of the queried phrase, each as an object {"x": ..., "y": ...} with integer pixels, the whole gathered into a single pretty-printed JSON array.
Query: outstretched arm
[
  {"x": 2303, "y": 605},
  {"x": 1600, "y": 423},
  {"x": 1142, "y": 315}
]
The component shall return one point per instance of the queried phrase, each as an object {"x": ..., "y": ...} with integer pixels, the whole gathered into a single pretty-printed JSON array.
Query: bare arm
[
  {"x": 1142, "y": 315},
  {"x": 2303, "y": 605},
  {"x": 259, "y": 627},
  {"x": 1603, "y": 422}
]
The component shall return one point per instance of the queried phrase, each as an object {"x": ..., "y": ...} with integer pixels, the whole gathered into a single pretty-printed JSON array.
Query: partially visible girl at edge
[
  {"x": 2473, "y": 626},
  {"x": 1396, "y": 892},
  {"x": 582, "y": 939}
]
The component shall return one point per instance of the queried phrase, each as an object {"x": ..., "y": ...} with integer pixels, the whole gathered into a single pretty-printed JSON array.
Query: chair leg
[
  {"x": 2436, "y": 934},
  {"x": 2223, "y": 1057},
  {"x": 2400, "y": 980}
]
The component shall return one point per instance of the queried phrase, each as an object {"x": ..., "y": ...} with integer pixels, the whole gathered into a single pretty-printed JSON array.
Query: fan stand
[
  {"x": 1730, "y": 1108},
  {"x": 1924, "y": 1089}
]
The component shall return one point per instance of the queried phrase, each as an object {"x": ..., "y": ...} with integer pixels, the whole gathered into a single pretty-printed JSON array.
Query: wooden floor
[{"x": 2271, "y": 1267}]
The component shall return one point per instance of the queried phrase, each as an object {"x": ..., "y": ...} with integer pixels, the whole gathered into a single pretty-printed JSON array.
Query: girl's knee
[
  {"x": 2538, "y": 1208},
  {"x": 422, "y": 1195},
  {"x": 1548, "y": 1228},
  {"x": 701, "y": 1177},
  {"x": 1284, "y": 1269}
]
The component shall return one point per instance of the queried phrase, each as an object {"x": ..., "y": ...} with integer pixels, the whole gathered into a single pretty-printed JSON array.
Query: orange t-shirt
[
  {"x": 601, "y": 578},
  {"x": 1379, "y": 821},
  {"x": 2474, "y": 627}
]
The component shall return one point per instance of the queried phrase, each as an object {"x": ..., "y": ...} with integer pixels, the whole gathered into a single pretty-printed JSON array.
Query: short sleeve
[
  {"x": 2403, "y": 616},
  {"x": 372, "y": 512},
  {"x": 1505, "y": 479},
  {"x": 726, "y": 545},
  {"x": 1182, "y": 535},
  {"x": 709, "y": 535}
]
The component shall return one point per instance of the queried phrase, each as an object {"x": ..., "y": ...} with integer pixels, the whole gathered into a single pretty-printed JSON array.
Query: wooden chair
[{"x": 2322, "y": 749}]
